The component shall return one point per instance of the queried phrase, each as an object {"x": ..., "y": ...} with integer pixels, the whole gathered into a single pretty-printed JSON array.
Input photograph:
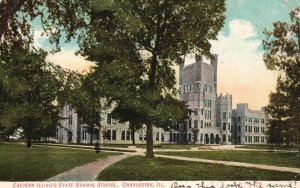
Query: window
[
  {"x": 111, "y": 134},
  {"x": 141, "y": 135},
  {"x": 70, "y": 119},
  {"x": 188, "y": 88},
  {"x": 108, "y": 134},
  {"x": 114, "y": 135},
  {"x": 196, "y": 124},
  {"x": 224, "y": 138},
  {"x": 207, "y": 103},
  {"x": 229, "y": 126},
  {"x": 210, "y": 88},
  {"x": 190, "y": 123},
  {"x": 190, "y": 136},
  {"x": 157, "y": 136},
  {"x": 205, "y": 87},
  {"x": 262, "y": 139},
  {"x": 224, "y": 126},
  {"x": 195, "y": 111},
  {"x": 201, "y": 124},
  {"x": 239, "y": 128},
  {"x": 262, "y": 130},
  {"x": 83, "y": 135},
  {"x": 128, "y": 135},
  {"x": 123, "y": 134},
  {"x": 224, "y": 115},
  {"x": 262, "y": 120},
  {"x": 109, "y": 118},
  {"x": 174, "y": 137},
  {"x": 239, "y": 119},
  {"x": 245, "y": 138},
  {"x": 245, "y": 128},
  {"x": 207, "y": 114}
]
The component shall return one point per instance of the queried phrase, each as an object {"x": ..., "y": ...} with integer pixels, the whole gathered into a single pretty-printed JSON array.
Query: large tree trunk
[
  {"x": 28, "y": 145},
  {"x": 149, "y": 151},
  {"x": 152, "y": 84}
]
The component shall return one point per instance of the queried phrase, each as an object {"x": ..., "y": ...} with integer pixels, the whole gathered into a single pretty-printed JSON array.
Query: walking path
[
  {"x": 89, "y": 171},
  {"x": 230, "y": 163}
]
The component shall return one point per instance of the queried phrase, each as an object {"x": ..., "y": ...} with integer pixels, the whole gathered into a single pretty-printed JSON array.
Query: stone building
[
  {"x": 198, "y": 88},
  {"x": 72, "y": 129},
  {"x": 224, "y": 117},
  {"x": 249, "y": 125},
  {"x": 211, "y": 117}
]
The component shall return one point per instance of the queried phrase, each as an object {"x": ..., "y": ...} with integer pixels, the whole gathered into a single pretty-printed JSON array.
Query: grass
[
  {"x": 287, "y": 159},
  {"x": 160, "y": 146},
  {"x": 139, "y": 168},
  {"x": 269, "y": 146},
  {"x": 18, "y": 163}
]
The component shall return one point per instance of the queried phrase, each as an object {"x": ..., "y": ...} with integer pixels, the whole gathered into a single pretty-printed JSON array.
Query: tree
[
  {"x": 58, "y": 17},
  {"x": 153, "y": 35},
  {"x": 31, "y": 86},
  {"x": 127, "y": 114},
  {"x": 282, "y": 53},
  {"x": 86, "y": 100}
]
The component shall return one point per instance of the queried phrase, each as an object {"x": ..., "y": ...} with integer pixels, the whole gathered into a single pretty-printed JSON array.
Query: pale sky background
[{"x": 241, "y": 70}]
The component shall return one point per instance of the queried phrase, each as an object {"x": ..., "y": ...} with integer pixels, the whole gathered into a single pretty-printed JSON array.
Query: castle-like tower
[
  {"x": 224, "y": 117},
  {"x": 198, "y": 88}
]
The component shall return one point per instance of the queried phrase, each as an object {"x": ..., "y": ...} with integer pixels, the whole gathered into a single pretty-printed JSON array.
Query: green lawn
[
  {"x": 140, "y": 168},
  {"x": 269, "y": 147},
  {"x": 18, "y": 163},
  {"x": 287, "y": 159},
  {"x": 161, "y": 146}
]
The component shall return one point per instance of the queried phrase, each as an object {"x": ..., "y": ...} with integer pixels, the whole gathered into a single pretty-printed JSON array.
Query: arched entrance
[
  {"x": 217, "y": 139},
  {"x": 206, "y": 139},
  {"x": 212, "y": 138}
]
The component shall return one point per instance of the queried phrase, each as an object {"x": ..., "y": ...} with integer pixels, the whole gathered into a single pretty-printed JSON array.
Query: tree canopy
[
  {"x": 282, "y": 53},
  {"x": 31, "y": 87},
  {"x": 136, "y": 45},
  {"x": 58, "y": 18}
]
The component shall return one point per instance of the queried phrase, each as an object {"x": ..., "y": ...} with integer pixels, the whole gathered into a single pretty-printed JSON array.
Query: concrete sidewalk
[{"x": 89, "y": 171}]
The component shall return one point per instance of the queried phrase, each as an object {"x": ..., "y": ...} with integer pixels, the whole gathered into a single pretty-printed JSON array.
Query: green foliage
[
  {"x": 58, "y": 17},
  {"x": 86, "y": 100},
  {"x": 31, "y": 87},
  {"x": 135, "y": 45},
  {"x": 171, "y": 170},
  {"x": 282, "y": 53}
]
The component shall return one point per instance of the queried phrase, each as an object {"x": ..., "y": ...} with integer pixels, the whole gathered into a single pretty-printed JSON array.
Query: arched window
[{"x": 224, "y": 138}]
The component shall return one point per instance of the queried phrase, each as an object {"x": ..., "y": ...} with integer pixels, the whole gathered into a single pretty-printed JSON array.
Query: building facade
[
  {"x": 211, "y": 117},
  {"x": 198, "y": 89},
  {"x": 250, "y": 125}
]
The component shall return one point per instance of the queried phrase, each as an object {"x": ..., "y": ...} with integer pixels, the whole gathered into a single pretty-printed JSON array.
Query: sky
[{"x": 241, "y": 70}]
